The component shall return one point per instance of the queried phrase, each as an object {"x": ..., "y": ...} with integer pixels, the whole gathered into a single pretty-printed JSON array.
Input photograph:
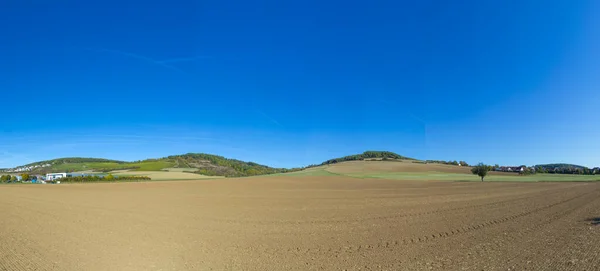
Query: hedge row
[{"x": 108, "y": 178}]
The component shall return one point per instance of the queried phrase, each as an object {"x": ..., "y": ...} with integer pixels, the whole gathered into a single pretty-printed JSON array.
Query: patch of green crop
[
  {"x": 151, "y": 165},
  {"x": 440, "y": 176},
  {"x": 307, "y": 172}
]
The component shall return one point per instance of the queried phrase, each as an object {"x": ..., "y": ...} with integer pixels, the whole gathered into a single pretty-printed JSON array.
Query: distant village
[
  {"x": 514, "y": 169},
  {"x": 19, "y": 172},
  {"x": 46, "y": 178},
  {"x": 25, "y": 168}
]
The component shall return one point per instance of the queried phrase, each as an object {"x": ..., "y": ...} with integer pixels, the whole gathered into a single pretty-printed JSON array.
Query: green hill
[
  {"x": 74, "y": 160},
  {"x": 205, "y": 164},
  {"x": 375, "y": 155},
  {"x": 72, "y": 164},
  {"x": 560, "y": 165},
  {"x": 214, "y": 165}
]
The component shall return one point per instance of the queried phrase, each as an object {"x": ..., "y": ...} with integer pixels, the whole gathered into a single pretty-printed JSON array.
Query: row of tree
[
  {"x": 107, "y": 178},
  {"x": 8, "y": 179},
  {"x": 384, "y": 155},
  {"x": 567, "y": 170},
  {"x": 481, "y": 170},
  {"x": 13, "y": 178}
]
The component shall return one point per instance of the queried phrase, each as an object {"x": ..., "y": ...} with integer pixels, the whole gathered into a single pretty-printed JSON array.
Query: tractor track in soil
[
  {"x": 390, "y": 216},
  {"x": 387, "y": 244}
]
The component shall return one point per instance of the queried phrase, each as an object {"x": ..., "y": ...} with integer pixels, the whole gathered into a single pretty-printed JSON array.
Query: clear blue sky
[{"x": 290, "y": 83}]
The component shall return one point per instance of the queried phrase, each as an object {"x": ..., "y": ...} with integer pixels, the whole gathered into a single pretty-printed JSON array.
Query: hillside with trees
[
  {"x": 562, "y": 168},
  {"x": 215, "y": 165},
  {"x": 205, "y": 164},
  {"x": 200, "y": 163},
  {"x": 375, "y": 155},
  {"x": 74, "y": 160}
]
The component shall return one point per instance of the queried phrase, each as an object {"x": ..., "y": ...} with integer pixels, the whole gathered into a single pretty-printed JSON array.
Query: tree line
[
  {"x": 384, "y": 155},
  {"x": 78, "y": 179},
  {"x": 107, "y": 178},
  {"x": 8, "y": 179},
  {"x": 13, "y": 178},
  {"x": 482, "y": 169},
  {"x": 565, "y": 169}
]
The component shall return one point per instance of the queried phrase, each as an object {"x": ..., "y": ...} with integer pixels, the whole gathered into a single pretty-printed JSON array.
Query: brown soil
[{"x": 300, "y": 223}]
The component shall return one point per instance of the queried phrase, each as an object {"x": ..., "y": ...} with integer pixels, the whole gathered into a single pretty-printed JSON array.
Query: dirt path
[{"x": 312, "y": 223}]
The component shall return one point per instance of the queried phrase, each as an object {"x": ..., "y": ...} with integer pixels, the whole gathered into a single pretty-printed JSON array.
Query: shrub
[{"x": 109, "y": 178}]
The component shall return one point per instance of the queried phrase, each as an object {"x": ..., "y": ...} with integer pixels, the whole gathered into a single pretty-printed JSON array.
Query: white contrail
[
  {"x": 417, "y": 118},
  {"x": 145, "y": 58},
  {"x": 269, "y": 118},
  {"x": 183, "y": 59}
]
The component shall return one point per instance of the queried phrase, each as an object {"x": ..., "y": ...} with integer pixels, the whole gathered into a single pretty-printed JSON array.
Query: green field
[
  {"x": 184, "y": 169},
  {"x": 141, "y": 166},
  {"x": 440, "y": 176},
  {"x": 85, "y": 166},
  {"x": 308, "y": 172},
  {"x": 151, "y": 165}
]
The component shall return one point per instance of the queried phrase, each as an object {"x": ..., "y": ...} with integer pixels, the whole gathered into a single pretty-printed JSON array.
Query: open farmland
[
  {"x": 411, "y": 170},
  {"x": 165, "y": 175},
  {"x": 300, "y": 223}
]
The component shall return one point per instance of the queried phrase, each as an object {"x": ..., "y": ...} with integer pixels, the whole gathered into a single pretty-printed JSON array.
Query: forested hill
[
  {"x": 367, "y": 155},
  {"x": 201, "y": 163},
  {"x": 563, "y": 168},
  {"x": 215, "y": 165},
  {"x": 560, "y": 165}
]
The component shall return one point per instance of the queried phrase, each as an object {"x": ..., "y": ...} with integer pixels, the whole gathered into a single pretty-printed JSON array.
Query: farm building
[{"x": 55, "y": 176}]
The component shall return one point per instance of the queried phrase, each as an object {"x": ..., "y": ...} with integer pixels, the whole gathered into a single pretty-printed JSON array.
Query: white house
[{"x": 54, "y": 176}]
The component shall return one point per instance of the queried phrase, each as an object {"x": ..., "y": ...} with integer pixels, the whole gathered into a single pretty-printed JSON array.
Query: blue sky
[{"x": 291, "y": 83}]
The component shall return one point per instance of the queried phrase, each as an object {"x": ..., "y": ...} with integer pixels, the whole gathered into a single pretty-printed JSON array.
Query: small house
[{"x": 55, "y": 176}]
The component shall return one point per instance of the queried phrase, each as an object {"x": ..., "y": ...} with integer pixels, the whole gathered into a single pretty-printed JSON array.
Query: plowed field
[{"x": 300, "y": 223}]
